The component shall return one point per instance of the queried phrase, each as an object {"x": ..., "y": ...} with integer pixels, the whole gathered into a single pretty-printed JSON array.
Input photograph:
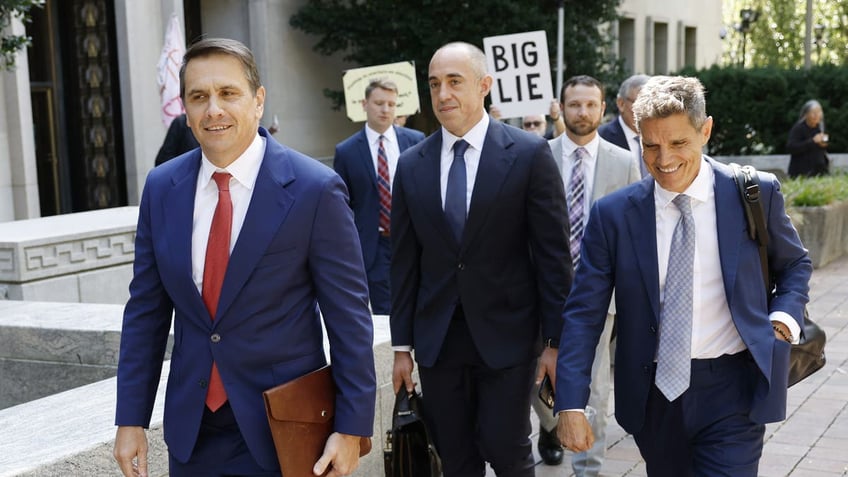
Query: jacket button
[
  {"x": 202, "y": 383},
  {"x": 653, "y": 329},
  {"x": 646, "y": 369},
  {"x": 460, "y": 266},
  {"x": 215, "y": 338}
]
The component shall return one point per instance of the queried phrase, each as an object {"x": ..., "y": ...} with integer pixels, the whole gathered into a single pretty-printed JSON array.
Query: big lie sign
[{"x": 521, "y": 69}]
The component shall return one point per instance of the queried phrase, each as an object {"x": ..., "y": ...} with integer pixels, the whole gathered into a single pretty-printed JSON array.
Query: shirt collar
[
  {"x": 373, "y": 136},
  {"x": 629, "y": 133},
  {"x": 475, "y": 137},
  {"x": 568, "y": 146},
  {"x": 699, "y": 189},
  {"x": 244, "y": 169}
]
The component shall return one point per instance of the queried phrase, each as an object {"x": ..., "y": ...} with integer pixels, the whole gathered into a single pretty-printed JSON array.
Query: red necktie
[
  {"x": 217, "y": 256},
  {"x": 384, "y": 188}
]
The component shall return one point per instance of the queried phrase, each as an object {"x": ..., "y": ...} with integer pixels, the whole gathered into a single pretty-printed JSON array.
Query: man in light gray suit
[{"x": 591, "y": 168}]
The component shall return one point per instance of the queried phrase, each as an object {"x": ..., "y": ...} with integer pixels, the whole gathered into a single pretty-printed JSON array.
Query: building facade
[{"x": 80, "y": 121}]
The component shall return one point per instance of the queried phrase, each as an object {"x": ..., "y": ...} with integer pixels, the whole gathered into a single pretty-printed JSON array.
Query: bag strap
[{"x": 748, "y": 182}]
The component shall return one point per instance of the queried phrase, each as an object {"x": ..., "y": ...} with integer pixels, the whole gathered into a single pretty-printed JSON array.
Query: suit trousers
[
  {"x": 220, "y": 450},
  {"x": 706, "y": 431},
  {"x": 588, "y": 464},
  {"x": 478, "y": 414},
  {"x": 379, "y": 290}
]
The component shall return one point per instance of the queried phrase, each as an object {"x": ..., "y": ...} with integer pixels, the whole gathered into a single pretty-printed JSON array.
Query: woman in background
[{"x": 807, "y": 143}]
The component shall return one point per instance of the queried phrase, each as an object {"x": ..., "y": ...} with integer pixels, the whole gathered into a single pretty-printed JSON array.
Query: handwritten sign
[
  {"x": 403, "y": 74},
  {"x": 521, "y": 69}
]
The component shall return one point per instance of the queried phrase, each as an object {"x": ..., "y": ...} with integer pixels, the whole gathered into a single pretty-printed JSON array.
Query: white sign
[
  {"x": 402, "y": 73},
  {"x": 521, "y": 69}
]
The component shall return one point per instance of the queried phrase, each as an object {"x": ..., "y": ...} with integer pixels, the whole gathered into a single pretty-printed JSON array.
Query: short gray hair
[{"x": 664, "y": 96}]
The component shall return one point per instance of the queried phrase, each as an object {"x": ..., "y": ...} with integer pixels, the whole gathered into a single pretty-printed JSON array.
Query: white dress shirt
[
  {"x": 568, "y": 157},
  {"x": 713, "y": 331},
  {"x": 390, "y": 144},
  {"x": 244, "y": 171},
  {"x": 475, "y": 138}
]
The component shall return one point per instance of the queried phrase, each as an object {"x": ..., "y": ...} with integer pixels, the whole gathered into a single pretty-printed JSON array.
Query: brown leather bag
[{"x": 300, "y": 413}]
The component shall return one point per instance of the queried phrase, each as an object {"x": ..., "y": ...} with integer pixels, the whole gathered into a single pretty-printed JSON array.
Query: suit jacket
[
  {"x": 613, "y": 133},
  {"x": 512, "y": 268},
  {"x": 620, "y": 244},
  {"x": 614, "y": 169},
  {"x": 354, "y": 163},
  {"x": 296, "y": 249}
]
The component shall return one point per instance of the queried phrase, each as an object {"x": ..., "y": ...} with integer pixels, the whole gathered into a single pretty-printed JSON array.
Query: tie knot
[
  {"x": 684, "y": 204},
  {"x": 222, "y": 179},
  {"x": 381, "y": 138},
  {"x": 459, "y": 148},
  {"x": 580, "y": 153}
]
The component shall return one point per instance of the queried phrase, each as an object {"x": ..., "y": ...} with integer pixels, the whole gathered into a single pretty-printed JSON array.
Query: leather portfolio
[{"x": 300, "y": 413}]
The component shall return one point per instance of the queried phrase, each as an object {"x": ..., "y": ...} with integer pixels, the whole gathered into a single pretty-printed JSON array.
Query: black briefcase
[{"x": 409, "y": 451}]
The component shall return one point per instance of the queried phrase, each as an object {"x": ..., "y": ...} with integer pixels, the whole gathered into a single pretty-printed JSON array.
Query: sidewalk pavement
[{"x": 813, "y": 440}]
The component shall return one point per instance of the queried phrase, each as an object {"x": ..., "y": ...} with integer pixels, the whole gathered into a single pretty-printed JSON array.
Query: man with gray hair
[
  {"x": 621, "y": 131},
  {"x": 702, "y": 359}
]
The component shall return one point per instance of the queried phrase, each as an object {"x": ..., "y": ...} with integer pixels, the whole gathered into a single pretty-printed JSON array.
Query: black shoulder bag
[{"x": 807, "y": 356}]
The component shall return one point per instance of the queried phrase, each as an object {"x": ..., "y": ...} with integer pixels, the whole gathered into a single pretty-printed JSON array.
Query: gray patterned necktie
[{"x": 675, "y": 349}]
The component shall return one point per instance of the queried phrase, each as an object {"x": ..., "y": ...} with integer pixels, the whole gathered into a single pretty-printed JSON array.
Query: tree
[
  {"x": 11, "y": 44},
  {"x": 373, "y": 32},
  {"x": 777, "y": 37}
]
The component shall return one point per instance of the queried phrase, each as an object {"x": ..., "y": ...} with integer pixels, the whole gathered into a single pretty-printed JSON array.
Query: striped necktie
[
  {"x": 576, "y": 198},
  {"x": 384, "y": 187}
]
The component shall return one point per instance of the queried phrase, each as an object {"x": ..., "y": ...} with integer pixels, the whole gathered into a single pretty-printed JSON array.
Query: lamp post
[
  {"x": 747, "y": 16},
  {"x": 819, "y": 32}
]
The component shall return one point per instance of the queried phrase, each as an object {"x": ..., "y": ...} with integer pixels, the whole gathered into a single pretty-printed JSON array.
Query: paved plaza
[{"x": 813, "y": 440}]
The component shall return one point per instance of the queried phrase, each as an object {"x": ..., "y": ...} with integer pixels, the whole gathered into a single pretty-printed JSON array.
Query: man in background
[
  {"x": 621, "y": 131},
  {"x": 367, "y": 162},
  {"x": 591, "y": 168}
]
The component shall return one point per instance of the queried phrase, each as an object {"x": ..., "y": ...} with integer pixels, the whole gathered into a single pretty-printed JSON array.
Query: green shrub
[{"x": 815, "y": 191}]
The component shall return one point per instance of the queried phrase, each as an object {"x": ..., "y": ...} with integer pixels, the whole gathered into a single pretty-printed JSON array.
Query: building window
[
  {"x": 627, "y": 43},
  {"x": 660, "y": 48},
  {"x": 689, "y": 46}
]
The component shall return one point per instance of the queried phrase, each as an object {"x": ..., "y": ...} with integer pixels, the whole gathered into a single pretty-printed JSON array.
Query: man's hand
[
  {"x": 574, "y": 431},
  {"x": 402, "y": 371},
  {"x": 547, "y": 365},
  {"x": 131, "y": 451},
  {"x": 341, "y": 455}
]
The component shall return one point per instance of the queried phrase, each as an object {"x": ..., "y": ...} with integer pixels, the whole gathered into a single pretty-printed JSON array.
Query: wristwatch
[{"x": 551, "y": 343}]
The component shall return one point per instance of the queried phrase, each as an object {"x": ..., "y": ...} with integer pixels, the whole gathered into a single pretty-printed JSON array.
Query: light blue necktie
[
  {"x": 576, "y": 199},
  {"x": 455, "y": 195},
  {"x": 675, "y": 349}
]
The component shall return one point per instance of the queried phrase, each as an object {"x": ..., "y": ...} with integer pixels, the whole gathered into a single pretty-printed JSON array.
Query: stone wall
[
  {"x": 70, "y": 432},
  {"x": 82, "y": 257}
]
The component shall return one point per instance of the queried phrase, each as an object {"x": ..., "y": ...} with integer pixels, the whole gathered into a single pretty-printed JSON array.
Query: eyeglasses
[{"x": 532, "y": 124}]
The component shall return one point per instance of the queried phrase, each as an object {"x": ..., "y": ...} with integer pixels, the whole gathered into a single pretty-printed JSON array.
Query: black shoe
[{"x": 549, "y": 447}]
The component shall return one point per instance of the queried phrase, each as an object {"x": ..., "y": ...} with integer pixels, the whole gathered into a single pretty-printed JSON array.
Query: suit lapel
[
  {"x": 364, "y": 152},
  {"x": 495, "y": 163},
  {"x": 269, "y": 205},
  {"x": 179, "y": 218},
  {"x": 427, "y": 186},
  {"x": 601, "y": 181},
  {"x": 641, "y": 224},
  {"x": 730, "y": 222}
]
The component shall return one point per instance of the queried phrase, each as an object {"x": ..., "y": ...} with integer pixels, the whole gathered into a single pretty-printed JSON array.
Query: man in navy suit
[
  {"x": 621, "y": 131},
  {"x": 358, "y": 161},
  {"x": 292, "y": 246},
  {"x": 480, "y": 270},
  {"x": 700, "y": 409}
]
